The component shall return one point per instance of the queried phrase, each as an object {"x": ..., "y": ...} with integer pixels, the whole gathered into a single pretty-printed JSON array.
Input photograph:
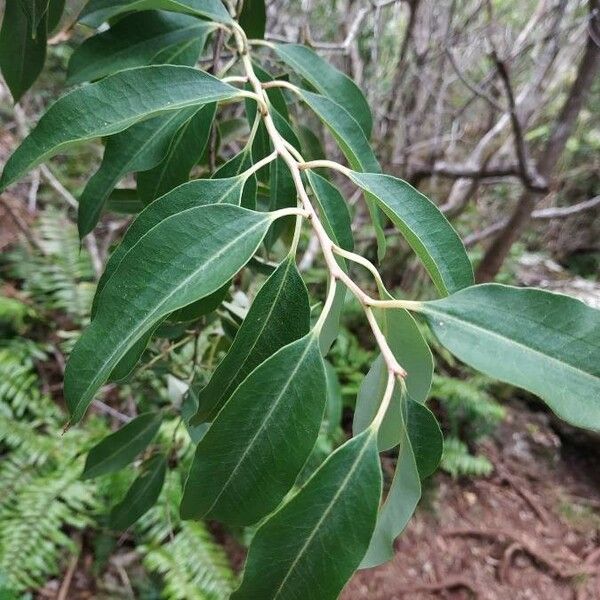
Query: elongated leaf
[
  {"x": 55, "y": 13},
  {"x": 200, "y": 192},
  {"x": 253, "y": 18},
  {"x": 235, "y": 166},
  {"x": 207, "y": 246},
  {"x": 124, "y": 201},
  {"x": 22, "y": 47},
  {"x": 424, "y": 227},
  {"x": 333, "y": 210},
  {"x": 327, "y": 80},
  {"x": 425, "y": 437},
  {"x": 279, "y": 315},
  {"x": 119, "y": 449},
  {"x": 201, "y": 307},
  {"x": 98, "y": 11},
  {"x": 335, "y": 402},
  {"x": 356, "y": 149},
  {"x": 282, "y": 193},
  {"x": 101, "y": 109},
  {"x": 138, "y": 148},
  {"x": 546, "y": 343},
  {"x": 398, "y": 508},
  {"x": 142, "y": 495},
  {"x": 136, "y": 41},
  {"x": 411, "y": 351},
  {"x": 186, "y": 150},
  {"x": 255, "y": 448},
  {"x": 35, "y": 10},
  {"x": 315, "y": 541}
]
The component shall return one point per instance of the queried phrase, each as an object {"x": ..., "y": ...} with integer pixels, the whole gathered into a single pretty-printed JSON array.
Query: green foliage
[
  {"x": 256, "y": 422},
  {"x": 457, "y": 460}
]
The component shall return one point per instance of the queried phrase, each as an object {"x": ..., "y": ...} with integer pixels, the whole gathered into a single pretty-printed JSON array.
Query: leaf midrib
[
  {"x": 266, "y": 419},
  {"x": 322, "y": 518},
  {"x": 151, "y": 314},
  {"x": 478, "y": 328}
]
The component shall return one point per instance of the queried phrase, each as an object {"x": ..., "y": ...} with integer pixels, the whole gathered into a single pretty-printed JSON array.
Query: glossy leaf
[
  {"x": 208, "y": 245},
  {"x": 316, "y": 540},
  {"x": 235, "y": 166},
  {"x": 136, "y": 41},
  {"x": 119, "y": 449},
  {"x": 101, "y": 109},
  {"x": 187, "y": 149},
  {"x": 200, "y": 192},
  {"x": 98, "y": 11},
  {"x": 279, "y": 315},
  {"x": 142, "y": 495},
  {"x": 424, "y": 227},
  {"x": 425, "y": 437},
  {"x": 546, "y": 343},
  {"x": 327, "y": 80},
  {"x": 138, "y": 148},
  {"x": 253, "y": 18},
  {"x": 398, "y": 508},
  {"x": 255, "y": 448},
  {"x": 22, "y": 47}
]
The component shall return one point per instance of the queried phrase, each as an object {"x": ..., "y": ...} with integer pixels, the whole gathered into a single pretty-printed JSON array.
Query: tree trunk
[{"x": 562, "y": 130}]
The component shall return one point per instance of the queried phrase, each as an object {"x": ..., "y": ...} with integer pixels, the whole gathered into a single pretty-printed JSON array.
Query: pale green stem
[
  {"x": 407, "y": 304},
  {"x": 259, "y": 165},
  {"x": 385, "y": 402},
  {"x": 235, "y": 79},
  {"x": 328, "y": 304},
  {"x": 296, "y": 238},
  {"x": 361, "y": 260},
  {"x": 325, "y": 164}
]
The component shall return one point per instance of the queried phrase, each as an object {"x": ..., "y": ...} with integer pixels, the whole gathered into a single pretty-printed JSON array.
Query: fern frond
[{"x": 456, "y": 460}]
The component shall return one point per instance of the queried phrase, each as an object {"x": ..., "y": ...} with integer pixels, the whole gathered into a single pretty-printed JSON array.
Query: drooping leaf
[
  {"x": 279, "y": 315},
  {"x": 98, "y": 11},
  {"x": 411, "y": 351},
  {"x": 22, "y": 47},
  {"x": 119, "y": 449},
  {"x": 546, "y": 343},
  {"x": 199, "y": 192},
  {"x": 355, "y": 147},
  {"x": 333, "y": 210},
  {"x": 315, "y": 541},
  {"x": 327, "y": 80},
  {"x": 424, "y": 227},
  {"x": 256, "y": 446},
  {"x": 335, "y": 404},
  {"x": 101, "y": 109},
  {"x": 186, "y": 150},
  {"x": 207, "y": 246},
  {"x": 136, "y": 41},
  {"x": 425, "y": 437},
  {"x": 138, "y": 148},
  {"x": 124, "y": 201},
  {"x": 253, "y": 18},
  {"x": 398, "y": 508},
  {"x": 142, "y": 495}
]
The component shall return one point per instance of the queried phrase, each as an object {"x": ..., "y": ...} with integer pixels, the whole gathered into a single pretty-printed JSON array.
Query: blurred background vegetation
[{"x": 491, "y": 108}]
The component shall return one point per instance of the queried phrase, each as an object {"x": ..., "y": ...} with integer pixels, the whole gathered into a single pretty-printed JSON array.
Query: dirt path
[{"x": 529, "y": 531}]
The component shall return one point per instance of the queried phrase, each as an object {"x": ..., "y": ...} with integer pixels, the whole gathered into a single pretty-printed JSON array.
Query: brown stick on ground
[{"x": 445, "y": 584}]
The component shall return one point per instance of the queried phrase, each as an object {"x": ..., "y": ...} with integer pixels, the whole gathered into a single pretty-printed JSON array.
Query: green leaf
[
  {"x": 546, "y": 343},
  {"x": 254, "y": 450},
  {"x": 22, "y": 48},
  {"x": 315, "y": 541},
  {"x": 136, "y": 41},
  {"x": 235, "y": 166},
  {"x": 327, "y": 80},
  {"x": 55, "y": 13},
  {"x": 425, "y": 437},
  {"x": 207, "y": 246},
  {"x": 142, "y": 495},
  {"x": 200, "y": 192},
  {"x": 201, "y": 307},
  {"x": 424, "y": 227},
  {"x": 186, "y": 150},
  {"x": 411, "y": 351},
  {"x": 124, "y": 201},
  {"x": 355, "y": 147},
  {"x": 138, "y": 148},
  {"x": 335, "y": 403},
  {"x": 279, "y": 315},
  {"x": 253, "y": 18},
  {"x": 119, "y": 449},
  {"x": 398, "y": 508},
  {"x": 101, "y": 109},
  {"x": 333, "y": 210},
  {"x": 98, "y": 11},
  {"x": 282, "y": 194}
]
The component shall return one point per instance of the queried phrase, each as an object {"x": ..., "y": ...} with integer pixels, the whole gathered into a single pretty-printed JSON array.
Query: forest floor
[{"x": 529, "y": 531}]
